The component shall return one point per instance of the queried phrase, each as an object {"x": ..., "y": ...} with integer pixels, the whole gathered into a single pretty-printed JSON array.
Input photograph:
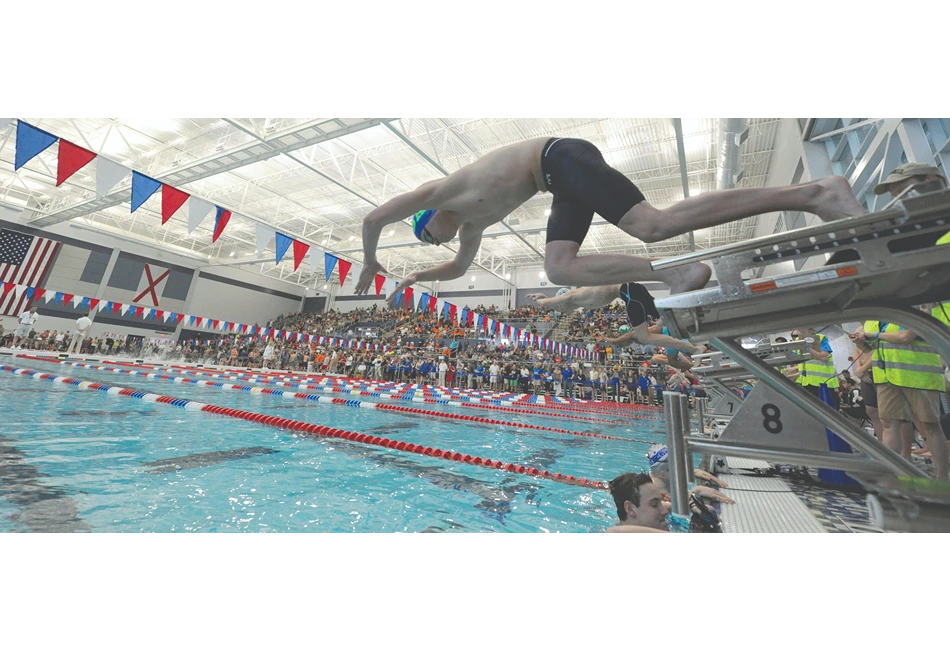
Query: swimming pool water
[{"x": 84, "y": 461}]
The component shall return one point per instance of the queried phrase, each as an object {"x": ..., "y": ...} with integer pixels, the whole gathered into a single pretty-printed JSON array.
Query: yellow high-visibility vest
[
  {"x": 816, "y": 373},
  {"x": 910, "y": 365}
]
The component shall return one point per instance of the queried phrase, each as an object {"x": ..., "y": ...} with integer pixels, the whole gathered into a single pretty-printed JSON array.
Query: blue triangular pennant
[
  {"x": 329, "y": 263},
  {"x": 29, "y": 293},
  {"x": 424, "y": 303},
  {"x": 151, "y": 314},
  {"x": 30, "y": 141},
  {"x": 283, "y": 243},
  {"x": 142, "y": 188},
  {"x": 84, "y": 303},
  {"x": 192, "y": 321},
  {"x": 58, "y": 298}
]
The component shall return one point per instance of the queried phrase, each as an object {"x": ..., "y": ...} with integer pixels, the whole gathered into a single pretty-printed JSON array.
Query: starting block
[{"x": 883, "y": 278}]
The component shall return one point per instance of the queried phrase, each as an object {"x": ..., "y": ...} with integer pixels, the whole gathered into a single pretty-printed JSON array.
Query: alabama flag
[{"x": 151, "y": 285}]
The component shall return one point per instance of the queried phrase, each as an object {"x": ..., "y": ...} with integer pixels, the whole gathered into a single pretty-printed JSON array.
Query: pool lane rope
[
  {"x": 308, "y": 428},
  {"x": 492, "y": 397},
  {"x": 338, "y": 401},
  {"x": 390, "y": 393}
]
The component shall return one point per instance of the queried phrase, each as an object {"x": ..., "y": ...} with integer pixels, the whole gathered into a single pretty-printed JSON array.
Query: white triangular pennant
[
  {"x": 108, "y": 174},
  {"x": 417, "y": 295},
  {"x": 354, "y": 275},
  {"x": 198, "y": 209},
  {"x": 20, "y": 288},
  {"x": 49, "y": 295},
  {"x": 439, "y": 306},
  {"x": 125, "y": 309},
  {"x": 264, "y": 235},
  {"x": 389, "y": 286},
  {"x": 77, "y": 300},
  {"x": 165, "y": 316},
  {"x": 102, "y": 304}
]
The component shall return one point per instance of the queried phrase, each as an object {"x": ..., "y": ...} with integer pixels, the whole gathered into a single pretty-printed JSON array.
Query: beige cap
[{"x": 905, "y": 171}]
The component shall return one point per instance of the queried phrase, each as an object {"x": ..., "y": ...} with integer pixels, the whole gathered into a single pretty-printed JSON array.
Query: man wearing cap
[
  {"x": 485, "y": 192},
  {"x": 903, "y": 177},
  {"x": 908, "y": 175}
]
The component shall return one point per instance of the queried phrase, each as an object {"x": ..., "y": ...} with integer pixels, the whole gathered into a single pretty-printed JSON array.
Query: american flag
[{"x": 25, "y": 260}]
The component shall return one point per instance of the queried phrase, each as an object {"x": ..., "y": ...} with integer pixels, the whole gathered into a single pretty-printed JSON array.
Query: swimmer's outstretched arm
[
  {"x": 393, "y": 210},
  {"x": 623, "y": 340},
  {"x": 470, "y": 238},
  {"x": 590, "y": 297},
  {"x": 645, "y": 336}
]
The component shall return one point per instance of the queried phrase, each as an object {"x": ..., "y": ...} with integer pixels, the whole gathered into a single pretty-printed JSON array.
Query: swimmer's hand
[
  {"x": 706, "y": 476},
  {"x": 709, "y": 493},
  {"x": 368, "y": 277},
  {"x": 538, "y": 297},
  {"x": 409, "y": 280}
]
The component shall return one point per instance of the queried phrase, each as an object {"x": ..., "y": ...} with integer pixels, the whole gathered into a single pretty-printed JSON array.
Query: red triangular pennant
[
  {"x": 67, "y": 297},
  {"x": 172, "y": 199},
  {"x": 159, "y": 313},
  {"x": 116, "y": 306},
  {"x": 343, "y": 267},
  {"x": 221, "y": 220},
  {"x": 93, "y": 303},
  {"x": 408, "y": 295},
  {"x": 7, "y": 287},
  {"x": 380, "y": 280},
  {"x": 38, "y": 293},
  {"x": 300, "y": 249},
  {"x": 71, "y": 160},
  {"x": 432, "y": 301}
]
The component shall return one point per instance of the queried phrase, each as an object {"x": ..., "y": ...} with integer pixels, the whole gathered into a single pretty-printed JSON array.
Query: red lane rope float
[
  {"x": 312, "y": 429},
  {"x": 339, "y": 401}
]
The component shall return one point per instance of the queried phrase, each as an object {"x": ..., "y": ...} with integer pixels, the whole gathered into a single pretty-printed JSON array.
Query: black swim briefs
[
  {"x": 582, "y": 183},
  {"x": 639, "y": 303}
]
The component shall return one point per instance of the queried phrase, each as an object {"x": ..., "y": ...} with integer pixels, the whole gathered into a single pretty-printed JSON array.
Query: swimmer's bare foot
[
  {"x": 834, "y": 199},
  {"x": 689, "y": 278}
]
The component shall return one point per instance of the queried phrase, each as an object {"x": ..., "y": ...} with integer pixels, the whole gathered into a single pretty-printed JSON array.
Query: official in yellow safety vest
[
  {"x": 820, "y": 369},
  {"x": 908, "y": 375}
]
